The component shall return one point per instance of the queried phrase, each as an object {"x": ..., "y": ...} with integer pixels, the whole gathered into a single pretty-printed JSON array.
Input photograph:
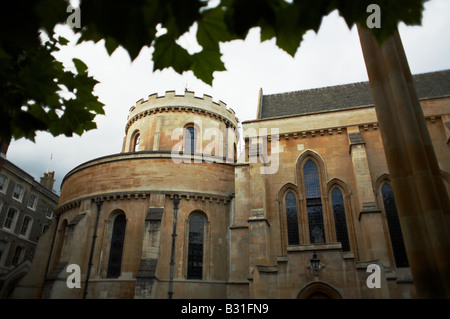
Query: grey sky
[{"x": 331, "y": 57}]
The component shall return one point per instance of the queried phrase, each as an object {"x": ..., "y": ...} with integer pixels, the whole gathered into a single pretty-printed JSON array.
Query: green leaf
[
  {"x": 63, "y": 41},
  {"x": 169, "y": 54},
  {"x": 205, "y": 63},
  {"x": 80, "y": 66},
  {"x": 212, "y": 29},
  {"x": 111, "y": 45}
]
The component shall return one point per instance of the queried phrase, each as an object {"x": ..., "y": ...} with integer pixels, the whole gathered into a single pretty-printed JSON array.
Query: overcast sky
[{"x": 331, "y": 57}]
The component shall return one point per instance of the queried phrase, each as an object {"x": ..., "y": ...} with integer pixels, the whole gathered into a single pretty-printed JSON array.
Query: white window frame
[
  {"x": 21, "y": 193},
  {"x": 14, "y": 220},
  {"x": 5, "y": 187},
  {"x": 33, "y": 207},
  {"x": 49, "y": 208},
  {"x": 28, "y": 229}
]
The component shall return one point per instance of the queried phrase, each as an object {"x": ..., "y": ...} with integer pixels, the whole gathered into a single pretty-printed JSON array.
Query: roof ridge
[
  {"x": 347, "y": 84},
  {"x": 342, "y": 96}
]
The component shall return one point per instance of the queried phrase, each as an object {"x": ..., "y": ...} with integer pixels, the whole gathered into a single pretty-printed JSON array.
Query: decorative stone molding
[
  {"x": 170, "y": 102},
  {"x": 257, "y": 213},
  {"x": 142, "y": 195}
]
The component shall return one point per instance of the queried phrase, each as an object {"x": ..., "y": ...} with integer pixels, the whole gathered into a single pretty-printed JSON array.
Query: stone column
[
  {"x": 421, "y": 197},
  {"x": 369, "y": 213}
]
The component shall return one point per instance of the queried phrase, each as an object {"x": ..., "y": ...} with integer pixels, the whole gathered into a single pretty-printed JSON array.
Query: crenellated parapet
[{"x": 171, "y": 102}]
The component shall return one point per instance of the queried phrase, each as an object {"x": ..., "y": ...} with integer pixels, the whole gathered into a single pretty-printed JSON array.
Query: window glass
[
  {"x": 136, "y": 141},
  {"x": 291, "y": 219},
  {"x": 189, "y": 142},
  {"x": 25, "y": 226},
  {"x": 339, "y": 219},
  {"x": 9, "y": 220},
  {"x": 313, "y": 203},
  {"x": 116, "y": 250},
  {"x": 32, "y": 201},
  {"x": 195, "y": 249},
  {"x": 3, "y": 182},
  {"x": 18, "y": 192},
  {"x": 395, "y": 231}
]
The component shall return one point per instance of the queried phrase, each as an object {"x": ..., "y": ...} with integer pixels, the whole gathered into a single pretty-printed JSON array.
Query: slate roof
[{"x": 339, "y": 97}]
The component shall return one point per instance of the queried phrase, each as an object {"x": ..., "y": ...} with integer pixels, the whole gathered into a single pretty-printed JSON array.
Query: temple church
[{"x": 306, "y": 210}]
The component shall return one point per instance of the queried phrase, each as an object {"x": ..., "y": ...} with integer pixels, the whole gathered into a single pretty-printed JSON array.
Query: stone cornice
[
  {"x": 135, "y": 195},
  {"x": 165, "y": 109}
]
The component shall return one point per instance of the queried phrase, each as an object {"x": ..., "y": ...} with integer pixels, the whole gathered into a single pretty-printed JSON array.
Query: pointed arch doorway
[{"x": 319, "y": 290}]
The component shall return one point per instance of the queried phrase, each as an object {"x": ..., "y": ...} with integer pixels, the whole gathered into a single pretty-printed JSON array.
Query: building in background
[
  {"x": 305, "y": 212},
  {"x": 26, "y": 212}
]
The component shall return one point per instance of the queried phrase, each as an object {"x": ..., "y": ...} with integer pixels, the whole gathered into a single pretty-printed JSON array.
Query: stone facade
[
  {"x": 26, "y": 213},
  {"x": 233, "y": 236}
]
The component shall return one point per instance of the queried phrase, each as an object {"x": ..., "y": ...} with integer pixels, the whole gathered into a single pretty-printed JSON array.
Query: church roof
[{"x": 339, "y": 97}]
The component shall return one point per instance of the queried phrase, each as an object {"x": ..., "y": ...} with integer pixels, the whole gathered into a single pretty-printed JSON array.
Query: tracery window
[
  {"x": 291, "y": 219},
  {"x": 195, "y": 246},
  {"x": 340, "y": 222},
  {"x": 116, "y": 250},
  {"x": 313, "y": 203},
  {"x": 395, "y": 231}
]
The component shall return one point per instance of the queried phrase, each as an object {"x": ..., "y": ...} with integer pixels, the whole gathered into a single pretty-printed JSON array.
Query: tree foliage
[{"x": 32, "y": 80}]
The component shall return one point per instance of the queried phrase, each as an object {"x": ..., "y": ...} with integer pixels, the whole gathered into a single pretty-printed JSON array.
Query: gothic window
[
  {"x": 115, "y": 252},
  {"x": 340, "y": 222},
  {"x": 189, "y": 140},
  {"x": 291, "y": 219},
  {"x": 136, "y": 140},
  {"x": 195, "y": 246},
  {"x": 313, "y": 203},
  {"x": 395, "y": 232}
]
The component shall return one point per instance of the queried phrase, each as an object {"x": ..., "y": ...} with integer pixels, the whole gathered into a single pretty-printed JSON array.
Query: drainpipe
[
  {"x": 176, "y": 201},
  {"x": 94, "y": 237}
]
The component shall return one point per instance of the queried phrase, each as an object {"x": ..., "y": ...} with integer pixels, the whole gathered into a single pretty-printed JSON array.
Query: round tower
[
  {"x": 167, "y": 199},
  {"x": 181, "y": 123}
]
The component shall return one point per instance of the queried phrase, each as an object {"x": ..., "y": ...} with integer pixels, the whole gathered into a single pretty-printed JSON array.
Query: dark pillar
[{"x": 421, "y": 197}]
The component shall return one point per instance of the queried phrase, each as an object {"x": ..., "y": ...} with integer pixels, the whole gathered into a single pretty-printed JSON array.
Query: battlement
[{"x": 188, "y": 100}]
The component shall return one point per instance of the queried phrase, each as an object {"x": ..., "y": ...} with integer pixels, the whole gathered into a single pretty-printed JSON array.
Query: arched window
[
  {"x": 189, "y": 140},
  {"x": 195, "y": 246},
  {"x": 340, "y": 222},
  {"x": 115, "y": 252},
  {"x": 313, "y": 203},
  {"x": 395, "y": 231},
  {"x": 136, "y": 140},
  {"x": 291, "y": 219}
]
